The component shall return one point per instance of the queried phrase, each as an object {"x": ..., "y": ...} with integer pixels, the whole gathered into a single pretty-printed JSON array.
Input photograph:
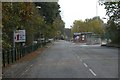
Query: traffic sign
[{"x": 20, "y": 36}]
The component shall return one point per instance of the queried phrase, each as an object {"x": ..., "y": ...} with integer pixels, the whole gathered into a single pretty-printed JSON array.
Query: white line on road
[
  {"x": 92, "y": 72},
  {"x": 26, "y": 70},
  {"x": 22, "y": 74},
  {"x": 78, "y": 57},
  {"x": 81, "y": 60},
  {"x": 85, "y": 64}
]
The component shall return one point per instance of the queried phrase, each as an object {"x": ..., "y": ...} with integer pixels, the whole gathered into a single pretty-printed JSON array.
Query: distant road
[{"x": 69, "y": 60}]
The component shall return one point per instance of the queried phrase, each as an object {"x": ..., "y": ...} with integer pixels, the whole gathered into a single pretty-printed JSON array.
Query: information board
[{"x": 19, "y": 36}]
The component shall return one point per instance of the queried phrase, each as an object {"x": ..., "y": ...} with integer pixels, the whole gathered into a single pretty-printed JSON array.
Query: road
[{"x": 69, "y": 60}]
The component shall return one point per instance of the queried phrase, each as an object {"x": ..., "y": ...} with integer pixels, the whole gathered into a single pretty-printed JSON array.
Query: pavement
[{"x": 68, "y": 60}]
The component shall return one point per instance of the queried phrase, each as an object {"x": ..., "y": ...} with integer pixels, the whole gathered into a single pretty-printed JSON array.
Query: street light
[
  {"x": 38, "y": 7},
  {"x": 107, "y": 33},
  {"x": 105, "y": 19},
  {"x": 39, "y": 39}
]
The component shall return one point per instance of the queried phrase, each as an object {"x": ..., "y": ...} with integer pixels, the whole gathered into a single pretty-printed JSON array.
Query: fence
[{"x": 12, "y": 55}]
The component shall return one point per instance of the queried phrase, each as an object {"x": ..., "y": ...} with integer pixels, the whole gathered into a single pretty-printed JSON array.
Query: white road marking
[
  {"x": 26, "y": 70},
  {"x": 85, "y": 64},
  {"x": 22, "y": 74},
  {"x": 81, "y": 60},
  {"x": 92, "y": 72},
  {"x": 78, "y": 57}
]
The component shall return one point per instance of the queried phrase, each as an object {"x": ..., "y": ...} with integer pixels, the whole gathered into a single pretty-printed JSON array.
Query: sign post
[
  {"x": 13, "y": 43},
  {"x": 14, "y": 38},
  {"x": 18, "y": 36}
]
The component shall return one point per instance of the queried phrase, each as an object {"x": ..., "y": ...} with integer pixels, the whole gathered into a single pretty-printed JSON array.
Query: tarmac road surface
[{"x": 69, "y": 60}]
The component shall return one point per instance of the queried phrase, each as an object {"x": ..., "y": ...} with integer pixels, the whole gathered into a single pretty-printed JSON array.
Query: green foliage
[
  {"x": 19, "y": 16},
  {"x": 112, "y": 32},
  {"x": 58, "y": 27},
  {"x": 113, "y": 11},
  {"x": 51, "y": 14},
  {"x": 89, "y": 25},
  {"x": 46, "y": 21},
  {"x": 50, "y": 10}
]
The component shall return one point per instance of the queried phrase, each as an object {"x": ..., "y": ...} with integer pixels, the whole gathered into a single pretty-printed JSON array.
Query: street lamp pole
[
  {"x": 105, "y": 33},
  {"x": 38, "y": 7},
  {"x": 39, "y": 39}
]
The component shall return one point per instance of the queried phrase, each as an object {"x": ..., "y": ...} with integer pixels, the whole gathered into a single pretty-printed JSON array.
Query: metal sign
[{"x": 20, "y": 36}]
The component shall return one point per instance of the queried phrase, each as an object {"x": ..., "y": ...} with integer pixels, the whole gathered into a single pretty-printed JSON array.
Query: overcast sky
[{"x": 79, "y": 10}]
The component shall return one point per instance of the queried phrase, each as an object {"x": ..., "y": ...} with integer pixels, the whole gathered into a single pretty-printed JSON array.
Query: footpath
[{"x": 13, "y": 70}]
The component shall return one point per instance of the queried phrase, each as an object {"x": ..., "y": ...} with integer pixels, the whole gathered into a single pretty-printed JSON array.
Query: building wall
[
  {"x": 68, "y": 33},
  {"x": 89, "y": 38}
]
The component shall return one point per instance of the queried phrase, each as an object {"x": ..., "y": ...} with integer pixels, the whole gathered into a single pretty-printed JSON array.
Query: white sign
[
  {"x": 19, "y": 36},
  {"x": 76, "y": 33}
]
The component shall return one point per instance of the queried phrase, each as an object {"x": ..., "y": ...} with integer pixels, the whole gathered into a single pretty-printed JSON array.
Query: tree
[
  {"x": 24, "y": 15},
  {"x": 112, "y": 32},
  {"x": 51, "y": 14},
  {"x": 58, "y": 27},
  {"x": 20, "y": 16},
  {"x": 113, "y": 11},
  {"x": 50, "y": 10},
  {"x": 89, "y": 25}
]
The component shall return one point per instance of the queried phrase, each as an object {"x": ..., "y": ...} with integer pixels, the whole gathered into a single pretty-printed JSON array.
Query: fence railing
[{"x": 12, "y": 55}]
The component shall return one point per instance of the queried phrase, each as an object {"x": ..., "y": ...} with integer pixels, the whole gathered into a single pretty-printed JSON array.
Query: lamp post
[
  {"x": 106, "y": 34},
  {"x": 38, "y": 7},
  {"x": 105, "y": 18},
  {"x": 39, "y": 39}
]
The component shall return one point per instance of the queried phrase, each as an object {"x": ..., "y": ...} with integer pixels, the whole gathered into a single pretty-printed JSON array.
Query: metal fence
[{"x": 12, "y": 55}]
